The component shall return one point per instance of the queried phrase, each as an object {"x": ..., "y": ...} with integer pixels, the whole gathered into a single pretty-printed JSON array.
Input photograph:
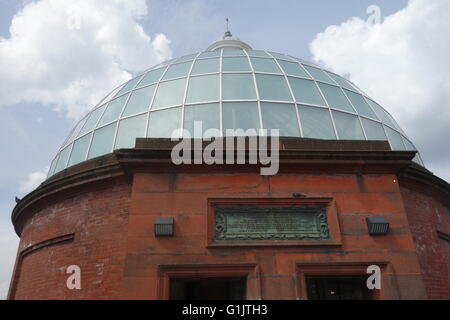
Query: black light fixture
[
  {"x": 377, "y": 226},
  {"x": 163, "y": 227},
  {"x": 298, "y": 195}
]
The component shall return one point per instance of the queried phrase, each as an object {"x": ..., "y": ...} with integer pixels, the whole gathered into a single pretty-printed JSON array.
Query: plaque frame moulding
[{"x": 329, "y": 237}]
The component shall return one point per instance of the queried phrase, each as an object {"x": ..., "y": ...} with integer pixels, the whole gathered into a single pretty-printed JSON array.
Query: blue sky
[
  {"x": 282, "y": 26},
  {"x": 33, "y": 126}
]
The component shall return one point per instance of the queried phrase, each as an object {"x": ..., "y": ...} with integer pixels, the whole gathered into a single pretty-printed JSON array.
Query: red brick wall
[
  {"x": 185, "y": 196},
  {"x": 119, "y": 256},
  {"x": 429, "y": 211},
  {"x": 98, "y": 216}
]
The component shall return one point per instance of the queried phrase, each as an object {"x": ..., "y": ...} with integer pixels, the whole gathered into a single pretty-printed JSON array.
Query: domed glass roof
[{"x": 230, "y": 89}]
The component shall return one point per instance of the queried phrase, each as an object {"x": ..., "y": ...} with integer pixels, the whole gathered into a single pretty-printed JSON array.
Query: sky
[{"x": 59, "y": 58}]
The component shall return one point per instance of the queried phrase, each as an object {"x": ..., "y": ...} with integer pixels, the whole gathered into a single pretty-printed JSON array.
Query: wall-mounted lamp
[
  {"x": 163, "y": 227},
  {"x": 298, "y": 195},
  {"x": 377, "y": 226}
]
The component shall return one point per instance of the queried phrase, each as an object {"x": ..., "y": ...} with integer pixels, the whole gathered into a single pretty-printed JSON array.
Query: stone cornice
[{"x": 296, "y": 156}]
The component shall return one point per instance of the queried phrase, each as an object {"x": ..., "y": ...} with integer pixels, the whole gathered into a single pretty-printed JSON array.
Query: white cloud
[
  {"x": 33, "y": 181},
  {"x": 69, "y": 56},
  {"x": 403, "y": 64}
]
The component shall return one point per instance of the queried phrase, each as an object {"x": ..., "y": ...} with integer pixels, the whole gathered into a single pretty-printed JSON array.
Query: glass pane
[
  {"x": 178, "y": 70},
  {"x": 208, "y": 54},
  {"x": 187, "y": 57},
  {"x": 208, "y": 114},
  {"x": 273, "y": 87},
  {"x": 382, "y": 115},
  {"x": 418, "y": 159},
  {"x": 169, "y": 93},
  {"x": 76, "y": 130},
  {"x": 128, "y": 86},
  {"x": 235, "y": 64},
  {"x": 63, "y": 157},
  {"x": 203, "y": 88},
  {"x": 163, "y": 123},
  {"x": 240, "y": 115},
  {"x": 297, "y": 59},
  {"x": 102, "y": 141},
  {"x": 396, "y": 126},
  {"x": 152, "y": 77},
  {"x": 317, "y": 74},
  {"x": 335, "y": 97},
  {"x": 316, "y": 123},
  {"x": 306, "y": 91},
  {"x": 66, "y": 141},
  {"x": 360, "y": 104},
  {"x": 206, "y": 66},
  {"x": 52, "y": 167},
  {"x": 293, "y": 68},
  {"x": 238, "y": 86},
  {"x": 139, "y": 101},
  {"x": 114, "y": 110},
  {"x": 257, "y": 53},
  {"x": 280, "y": 116},
  {"x": 233, "y": 53},
  {"x": 374, "y": 130},
  {"x": 104, "y": 100},
  {"x": 165, "y": 63},
  {"x": 265, "y": 65},
  {"x": 341, "y": 81},
  {"x": 408, "y": 144},
  {"x": 80, "y": 148},
  {"x": 395, "y": 139},
  {"x": 348, "y": 126},
  {"x": 92, "y": 121},
  {"x": 129, "y": 130},
  {"x": 280, "y": 56},
  {"x": 112, "y": 93}
]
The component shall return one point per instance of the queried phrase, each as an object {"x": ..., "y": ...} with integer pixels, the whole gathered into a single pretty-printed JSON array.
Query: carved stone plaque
[{"x": 271, "y": 223}]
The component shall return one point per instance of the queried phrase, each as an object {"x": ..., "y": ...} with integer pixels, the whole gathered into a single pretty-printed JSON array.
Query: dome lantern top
[{"x": 228, "y": 42}]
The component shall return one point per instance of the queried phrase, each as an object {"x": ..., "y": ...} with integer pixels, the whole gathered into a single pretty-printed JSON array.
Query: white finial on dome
[{"x": 228, "y": 42}]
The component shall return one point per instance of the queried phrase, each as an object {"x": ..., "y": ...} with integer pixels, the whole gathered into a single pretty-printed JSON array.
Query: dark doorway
[
  {"x": 338, "y": 288},
  {"x": 207, "y": 289}
]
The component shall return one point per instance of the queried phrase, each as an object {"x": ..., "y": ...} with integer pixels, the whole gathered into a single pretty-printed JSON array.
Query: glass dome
[{"x": 230, "y": 89}]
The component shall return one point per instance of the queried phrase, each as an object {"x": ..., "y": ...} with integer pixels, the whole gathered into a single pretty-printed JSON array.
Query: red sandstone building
[{"x": 141, "y": 227}]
